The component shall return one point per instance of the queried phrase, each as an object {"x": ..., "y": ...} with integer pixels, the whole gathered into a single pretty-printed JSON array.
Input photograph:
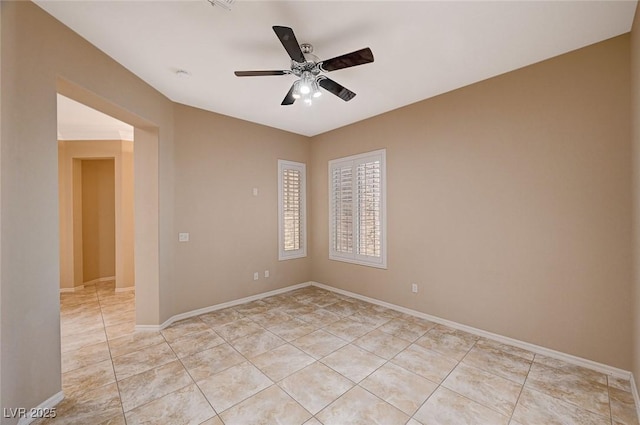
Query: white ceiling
[
  {"x": 80, "y": 122},
  {"x": 421, "y": 48}
]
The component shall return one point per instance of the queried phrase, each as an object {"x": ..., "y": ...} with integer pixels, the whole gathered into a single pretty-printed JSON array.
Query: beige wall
[
  {"x": 71, "y": 156},
  {"x": 635, "y": 140},
  {"x": 219, "y": 160},
  {"x": 98, "y": 219},
  {"x": 39, "y": 57},
  {"x": 508, "y": 204},
  {"x": 1, "y": 286}
]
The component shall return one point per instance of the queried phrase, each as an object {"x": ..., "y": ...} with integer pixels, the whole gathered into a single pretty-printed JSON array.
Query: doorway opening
[
  {"x": 97, "y": 234},
  {"x": 146, "y": 239},
  {"x": 95, "y": 166}
]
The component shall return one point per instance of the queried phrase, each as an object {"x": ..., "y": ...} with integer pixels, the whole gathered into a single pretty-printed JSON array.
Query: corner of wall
[
  {"x": 1, "y": 50},
  {"x": 635, "y": 143}
]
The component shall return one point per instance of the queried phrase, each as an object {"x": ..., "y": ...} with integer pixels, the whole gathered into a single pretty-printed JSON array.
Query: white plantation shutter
[
  {"x": 369, "y": 226},
  {"x": 357, "y": 209},
  {"x": 342, "y": 209},
  {"x": 291, "y": 210},
  {"x": 291, "y": 203}
]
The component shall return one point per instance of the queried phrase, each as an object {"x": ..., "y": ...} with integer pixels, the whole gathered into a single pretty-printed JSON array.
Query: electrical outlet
[
  {"x": 266, "y": 273},
  {"x": 256, "y": 276},
  {"x": 414, "y": 288}
]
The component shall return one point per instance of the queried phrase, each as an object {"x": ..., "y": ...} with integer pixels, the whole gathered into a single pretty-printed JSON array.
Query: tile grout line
[
  {"x": 277, "y": 383},
  {"x": 228, "y": 342},
  {"x": 515, "y": 406},
  {"x": 248, "y": 360},
  {"x": 482, "y": 370},
  {"x": 438, "y": 387},
  {"x": 113, "y": 367},
  {"x": 442, "y": 380},
  {"x": 319, "y": 360},
  {"x": 189, "y": 373},
  {"x": 108, "y": 348},
  {"x": 570, "y": 402}
]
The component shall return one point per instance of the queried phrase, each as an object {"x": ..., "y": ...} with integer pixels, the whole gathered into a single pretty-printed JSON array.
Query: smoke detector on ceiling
[{"x": 225, "y": 4}]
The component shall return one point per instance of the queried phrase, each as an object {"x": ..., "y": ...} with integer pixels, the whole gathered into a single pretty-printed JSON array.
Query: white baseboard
[
  {"x": 578, "y": 361},
  {"x": 634, "y": 391},
  {"x": 126, "y": 289},
  {"x": 45, "y": 405},
  {"x": 74, "y": 289},
  {"x": 221, "y": 306}
]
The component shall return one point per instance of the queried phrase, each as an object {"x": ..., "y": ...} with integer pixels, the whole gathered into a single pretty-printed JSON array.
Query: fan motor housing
[{"x": 310, "y": 65}]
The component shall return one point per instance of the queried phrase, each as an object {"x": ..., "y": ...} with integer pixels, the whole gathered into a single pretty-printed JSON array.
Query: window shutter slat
[
  {"x": 342, "y": 209},
  {"x": 369, "y": 208},
  {"x": 291, "y": 208}
]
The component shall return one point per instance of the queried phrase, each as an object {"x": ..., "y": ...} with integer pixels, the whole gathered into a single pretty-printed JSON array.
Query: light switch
[
  {"x": 183, "y": 237},
  {"x": 255, "y": 191}
]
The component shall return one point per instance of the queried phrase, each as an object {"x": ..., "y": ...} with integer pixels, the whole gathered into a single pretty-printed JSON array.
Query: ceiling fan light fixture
[
  {"x": 307, "y": 83},
  {"x": 315, "y": 89},
  {"x": 305, "y": 87},
  {"x": 296, "y": 90}
]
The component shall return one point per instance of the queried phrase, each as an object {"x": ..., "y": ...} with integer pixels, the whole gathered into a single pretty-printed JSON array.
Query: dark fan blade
[
  {"x": 335, "y": 88},
  {"x": 290, "y": 44},
  {"x": 289, "y": 99},
  {"x": 359, "y": 57},
  {"x": 259, "y": 73}
]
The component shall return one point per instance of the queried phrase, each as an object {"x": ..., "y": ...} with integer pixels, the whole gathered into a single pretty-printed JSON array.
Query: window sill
[{"x": 382, "y": 265}]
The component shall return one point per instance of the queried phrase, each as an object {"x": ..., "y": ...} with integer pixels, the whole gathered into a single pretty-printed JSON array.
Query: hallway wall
[
  {"x": 635, "y": 141},
  {"x": 98, "y": 219},
  {"x": 75, "y": 270}
]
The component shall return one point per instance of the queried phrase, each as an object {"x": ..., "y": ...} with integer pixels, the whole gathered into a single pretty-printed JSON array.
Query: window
[
  {"x": 357, "y": 209},
  {"x": 292, "y": 220}
]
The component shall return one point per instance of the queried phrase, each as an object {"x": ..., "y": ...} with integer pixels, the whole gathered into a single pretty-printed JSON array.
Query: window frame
[
  {"x": 302, "y": 251},
  {"x": 354, "y": 257}
]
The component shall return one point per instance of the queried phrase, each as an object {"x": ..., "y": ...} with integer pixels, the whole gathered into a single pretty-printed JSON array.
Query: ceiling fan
[{"x": 309, "y": 69}]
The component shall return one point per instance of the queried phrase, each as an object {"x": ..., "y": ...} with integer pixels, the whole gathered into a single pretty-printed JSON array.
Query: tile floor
[{"x": 312, "y": 357}]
